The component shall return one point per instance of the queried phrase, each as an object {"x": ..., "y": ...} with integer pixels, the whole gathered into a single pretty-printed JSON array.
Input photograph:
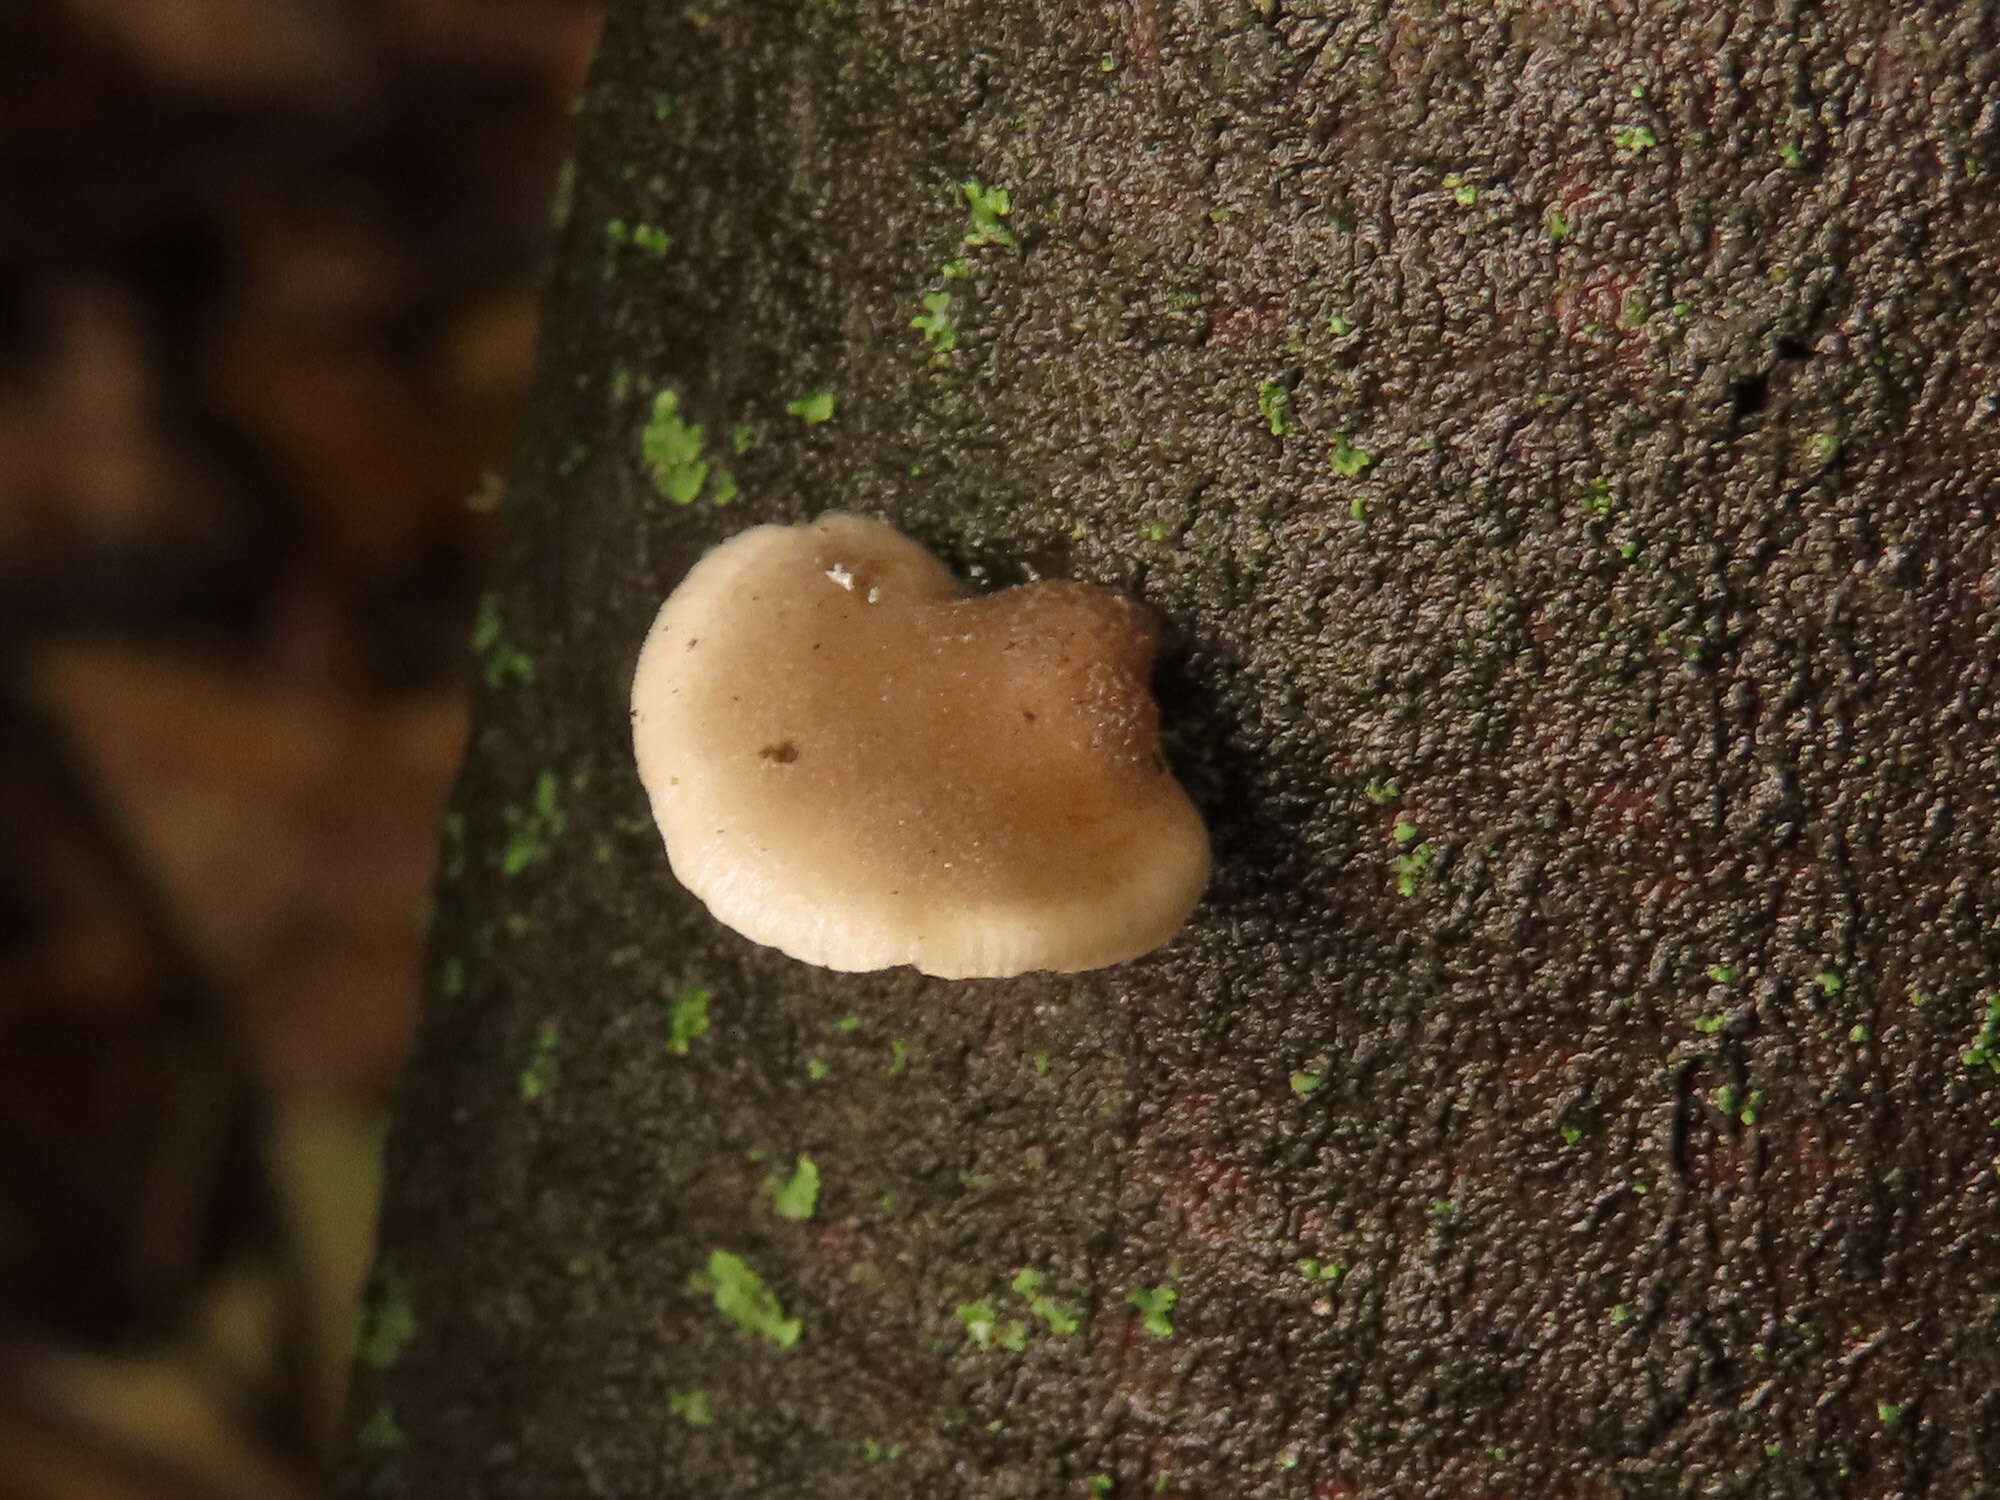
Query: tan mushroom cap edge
[{"x": 853, "y": 761}]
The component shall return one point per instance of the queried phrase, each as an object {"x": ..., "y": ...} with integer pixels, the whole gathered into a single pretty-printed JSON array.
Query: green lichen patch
[
  {"x": 388, "y": 1321},
  {"x": 687, "y": 1019},
  {"x": 539, "y": 1076},
  {"x": 1556, "y": 224},
  {"x": 1635, "y": 140},
  {"x": 1062, "y": 1322},
  {"x": 741, "y": 1296},
  {"x": 899, "y": 1057},
  {"x": 1412, "y": 870},
  {"x": 1305, "y": 1084},
  {"x": 1348, "y": 461},
  {"x": 1464, "y": 192},
  {"x": 1322, "y": 1271},
  {"x": 990, "y": 208},
  {"x": 985, "y": 1327},
  {"x": 691, "y": 1407},
  {"x": 936, "y": 324},
  {"x": 1985, "y": 1049},
  {"x": 1028, "y": 1282},
  {"x": 532, "y": 831},
  {"x": 451, "y": 854},
  {"x": 563, "y": 200},
  {"x": 1100, "y": 1485},
  {"x": 672, "y": 448},
  {"x": 649, "y": 239},
  {"x": 1734, "y": 1103},
  {"x": 812, "y": 408},
  {"x": 675, "y": 456},
  {"x": 1274, "y": 405},
  {"x": 796, "y": 1197},
  {"x": 500, "y": 663},
  {"x": 381, "y": 1433},
  {"x": 1156, "y": 1307}
]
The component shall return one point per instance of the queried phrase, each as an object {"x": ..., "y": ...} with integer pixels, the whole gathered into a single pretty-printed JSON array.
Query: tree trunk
[{"x": 1562, "y": 443}]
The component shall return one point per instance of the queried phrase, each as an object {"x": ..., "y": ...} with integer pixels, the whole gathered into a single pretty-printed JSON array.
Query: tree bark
[{"x": 1562, "y": 443}]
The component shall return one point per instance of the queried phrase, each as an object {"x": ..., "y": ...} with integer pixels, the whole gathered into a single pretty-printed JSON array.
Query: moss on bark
[{"x": 1563, "y": 444}]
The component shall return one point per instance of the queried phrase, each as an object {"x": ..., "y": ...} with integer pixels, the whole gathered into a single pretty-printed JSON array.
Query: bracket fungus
[{"x": 854, "y": 761}]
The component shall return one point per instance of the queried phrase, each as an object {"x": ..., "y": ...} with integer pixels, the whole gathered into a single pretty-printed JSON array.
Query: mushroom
[{"x": 856, "y": 763}]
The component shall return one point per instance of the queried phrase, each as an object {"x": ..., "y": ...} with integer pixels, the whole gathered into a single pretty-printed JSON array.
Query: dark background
[{"x": 268, "y": 289}]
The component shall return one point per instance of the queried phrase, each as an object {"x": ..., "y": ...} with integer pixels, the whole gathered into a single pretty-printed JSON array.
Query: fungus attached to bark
[{"x": 855, "y": 762}]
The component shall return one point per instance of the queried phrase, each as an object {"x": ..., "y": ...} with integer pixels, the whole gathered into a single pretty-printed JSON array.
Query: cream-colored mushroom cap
[{"x": 856, "y": 763}]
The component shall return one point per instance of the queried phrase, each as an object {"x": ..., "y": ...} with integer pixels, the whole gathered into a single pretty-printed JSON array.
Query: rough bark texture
[{"x": 1563, "y": 443}]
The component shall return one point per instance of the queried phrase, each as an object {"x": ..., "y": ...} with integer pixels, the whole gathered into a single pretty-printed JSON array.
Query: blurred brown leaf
[
  {"x": 84, "y": 464},
  {"x": 244, "y": 49},
  {"x": 381, "y": 459},
  {"x": 292, "y": 830},
  {"x": 552, "y": 37}
]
